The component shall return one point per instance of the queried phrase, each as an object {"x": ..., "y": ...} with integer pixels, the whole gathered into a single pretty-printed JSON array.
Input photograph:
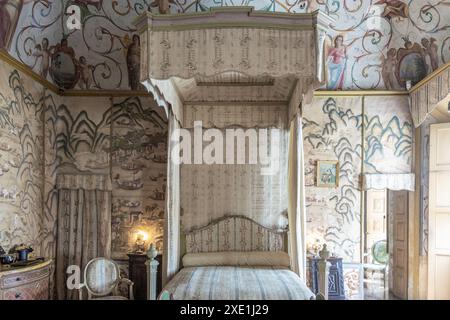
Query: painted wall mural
[
  {"x": 124, "y": 138},
  {"x": 374, "y": 44},
  {"x": 21, "y": 161},
  {"x": 381, "y": 44},
  {"x": 9, "y": 15},
  {"x": 104, "y": 54},
  {"x": 139, "y": 171},
  {"x": 333, "y": 130},
  {"x": 43, "y": 134},
  {"x": 388, "y": 135},
  {"x": 424, "y": 182}
]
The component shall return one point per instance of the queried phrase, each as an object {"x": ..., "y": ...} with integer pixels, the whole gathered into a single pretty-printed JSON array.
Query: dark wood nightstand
[{"x": 138, "y": 274}]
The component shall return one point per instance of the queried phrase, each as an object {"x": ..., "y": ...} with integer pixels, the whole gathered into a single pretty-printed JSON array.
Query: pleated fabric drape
[
  {"x": 296, "y": 199},
  {"x": 84, "y": 232}
]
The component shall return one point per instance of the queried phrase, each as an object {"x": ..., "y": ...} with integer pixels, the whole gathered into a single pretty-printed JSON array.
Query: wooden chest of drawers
[{"x": 27, "y": 283}]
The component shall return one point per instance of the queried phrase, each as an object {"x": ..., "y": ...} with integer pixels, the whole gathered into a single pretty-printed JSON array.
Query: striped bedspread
[{"x": 238, "y": 283}]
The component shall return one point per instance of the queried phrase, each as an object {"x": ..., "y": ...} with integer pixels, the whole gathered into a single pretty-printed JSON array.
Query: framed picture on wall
[{"x": 327, "y": 174}]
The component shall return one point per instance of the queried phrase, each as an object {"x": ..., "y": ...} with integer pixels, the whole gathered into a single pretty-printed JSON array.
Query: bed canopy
[{"x": 239, "y": 57}]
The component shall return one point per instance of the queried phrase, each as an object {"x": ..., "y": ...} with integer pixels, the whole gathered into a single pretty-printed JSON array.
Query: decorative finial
[
  {"x": 324, "y": 253},
  {"x": 152, "y": 252}
]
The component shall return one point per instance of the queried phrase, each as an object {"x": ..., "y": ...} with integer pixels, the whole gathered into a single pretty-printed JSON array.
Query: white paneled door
[{"x": 439, "y": 213}]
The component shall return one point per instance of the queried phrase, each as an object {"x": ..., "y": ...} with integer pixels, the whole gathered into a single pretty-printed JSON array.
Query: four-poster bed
[
  {"x": 240, "y": 58},
  {"x": 235, "y": 258}
]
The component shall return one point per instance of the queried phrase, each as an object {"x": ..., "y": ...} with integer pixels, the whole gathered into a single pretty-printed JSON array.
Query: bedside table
[{"x": 138, "y": 274}]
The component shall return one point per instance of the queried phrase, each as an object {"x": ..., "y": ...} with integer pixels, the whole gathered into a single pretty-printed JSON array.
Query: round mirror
[{"x": 64, "y": 68}]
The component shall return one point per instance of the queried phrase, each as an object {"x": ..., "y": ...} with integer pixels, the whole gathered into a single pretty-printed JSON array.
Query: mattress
[{"x": 237, "y": 283}]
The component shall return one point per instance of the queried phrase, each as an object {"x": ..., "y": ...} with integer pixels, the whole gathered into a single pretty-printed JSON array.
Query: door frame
[
  {"x": 434, "y": 170},
  {"x": 390, "y": 230}
]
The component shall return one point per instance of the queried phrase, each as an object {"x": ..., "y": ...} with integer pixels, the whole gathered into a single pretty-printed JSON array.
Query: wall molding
[
  {"x": 13, "y": 62},
  {"x": 237, "y": 103},
  {"x": 360, "y": 93},
  {"x": 104, "y": 93}
]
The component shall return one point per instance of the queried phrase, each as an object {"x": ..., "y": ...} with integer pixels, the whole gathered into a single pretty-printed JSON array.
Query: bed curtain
[
  {"x": 296, "y": 204},
  {"x": 255, "y": 190},
  {"x": 171, "y": 257}
]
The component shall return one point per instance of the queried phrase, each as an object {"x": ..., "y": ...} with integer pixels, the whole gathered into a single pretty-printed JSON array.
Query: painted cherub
[
  {"x": 388, "y": 69},
  {"x": 42, "y": 51},
  {"x": 430, "y": 50},
  {"x": 86, "y": 70}
]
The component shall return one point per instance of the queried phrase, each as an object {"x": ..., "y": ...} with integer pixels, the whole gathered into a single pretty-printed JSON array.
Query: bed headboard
[{"x": 234, "y": 233}]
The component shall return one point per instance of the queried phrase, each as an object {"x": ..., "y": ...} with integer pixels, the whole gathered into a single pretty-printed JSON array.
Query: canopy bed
[{"x": 234, "y": 67}]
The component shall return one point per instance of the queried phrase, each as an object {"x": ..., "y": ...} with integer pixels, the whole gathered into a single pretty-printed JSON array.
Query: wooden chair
[{"x": 102, "y": 281}]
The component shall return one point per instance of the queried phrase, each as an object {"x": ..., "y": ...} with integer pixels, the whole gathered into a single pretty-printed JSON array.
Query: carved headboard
[{"x": 234, "y": 233}]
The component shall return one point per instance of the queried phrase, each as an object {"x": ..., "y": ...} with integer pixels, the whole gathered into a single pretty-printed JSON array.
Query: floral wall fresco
[
  {"x": 374, "y": 44},
  {"x": 103, "y": 54},
  {"x": 382, "y": 43},
  {"x": 333, "y": 130}
]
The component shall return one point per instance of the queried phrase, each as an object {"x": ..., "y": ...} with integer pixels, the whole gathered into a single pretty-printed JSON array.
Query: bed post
[
  {"x": 324, "y": 267},
  {"x": 152, "y": 270}
]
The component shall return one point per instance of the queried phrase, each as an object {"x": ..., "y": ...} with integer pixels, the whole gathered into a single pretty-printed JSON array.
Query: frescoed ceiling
[{"x": 374, "y": 44}]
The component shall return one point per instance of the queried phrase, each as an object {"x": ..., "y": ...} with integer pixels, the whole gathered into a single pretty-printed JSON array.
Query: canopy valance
[
  {"x": 231, "y": 39},
  {"x": 84, "y": 181},
  {"x": 395, "y": 182}
]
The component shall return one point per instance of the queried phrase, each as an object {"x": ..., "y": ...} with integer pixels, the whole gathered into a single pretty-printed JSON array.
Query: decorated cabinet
[
  {"x": 26, "y": 283},
  {"x": 336, "y": 288}
]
